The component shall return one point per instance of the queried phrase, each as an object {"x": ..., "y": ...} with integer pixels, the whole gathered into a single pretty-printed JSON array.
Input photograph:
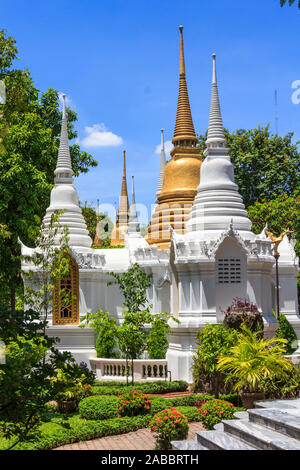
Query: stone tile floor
[{"x": 143, "y": 439}]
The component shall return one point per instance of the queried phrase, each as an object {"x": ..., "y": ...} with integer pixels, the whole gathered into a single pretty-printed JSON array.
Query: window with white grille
[{"x": 229, "y": 270}]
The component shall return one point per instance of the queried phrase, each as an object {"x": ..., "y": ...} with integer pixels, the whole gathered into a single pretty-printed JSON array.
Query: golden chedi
[
  {"x": 181, "y": 174},
  {"x": 121, "y": 227}
]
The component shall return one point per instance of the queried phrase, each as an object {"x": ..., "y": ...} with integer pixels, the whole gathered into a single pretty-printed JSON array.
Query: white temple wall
[{"x": 231, "y": 275}]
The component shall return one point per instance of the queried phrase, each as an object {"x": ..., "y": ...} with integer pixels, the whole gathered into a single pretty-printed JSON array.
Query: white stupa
[{"x": 64, "y": 195}]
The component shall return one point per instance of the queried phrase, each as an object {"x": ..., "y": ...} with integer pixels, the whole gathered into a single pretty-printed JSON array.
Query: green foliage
[
  {"x": 157, "y": 341},
  {"x": 214, "y": 411},
  {"x": 265, "y": 165},
  {"x": 242, "y": 312},
  {"x": 133, "y": 285},
  {"x": 23, "y": 401},
  {"x": 98, "y": 407},
  {"x": 286, "y": 331},
  {"x": 151, "y": 387},
  {"x": 281, "y": 213},
  {"x": 133, "y": 403},
  {"x": 169, "y": 425},
  {"x": 90, "y": 217},
  {"x": 29, "y": 140},
  {"x": 106, "y": 328},
  {"x": 289, "y": 2},
  {"x": 283, "y": 387},
  {"x": 252, "y": 359},
  {"x": 190, "y": 412},
  {"x": 212, "y": 341},
  {"x": 82, "y": 430}
]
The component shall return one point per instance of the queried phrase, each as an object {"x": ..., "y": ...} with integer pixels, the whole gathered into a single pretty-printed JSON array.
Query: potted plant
[
  {"x": 250, "y": 361},
  {"x": 72, "y": 391}
]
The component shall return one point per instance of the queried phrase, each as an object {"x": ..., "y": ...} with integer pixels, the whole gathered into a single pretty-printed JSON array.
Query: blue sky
[{"x": 118, "y": 63}]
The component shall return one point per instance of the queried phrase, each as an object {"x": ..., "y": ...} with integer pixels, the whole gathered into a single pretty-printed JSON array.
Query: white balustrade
[{"x": 143, "y": 369}]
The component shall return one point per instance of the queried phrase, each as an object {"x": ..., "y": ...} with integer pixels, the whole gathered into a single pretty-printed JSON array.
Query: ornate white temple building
[{"x": 200, "y": 249}]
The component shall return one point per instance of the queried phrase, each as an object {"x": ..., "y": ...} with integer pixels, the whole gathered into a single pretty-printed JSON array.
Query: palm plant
[{"x": 252, "y": 359}]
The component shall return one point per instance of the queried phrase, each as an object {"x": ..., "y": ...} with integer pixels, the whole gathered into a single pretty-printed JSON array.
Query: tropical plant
[
  {"x": 213, "y": 412},
  {"x": 106, "y": 328},
  {"x": 169, "y": 425},
  {"x": 212, "y": 341},
  {"x": 290, "y": 2},
  {"x": 242, "y": 312},
  {"x": 253, "y": 359},
  {"x": 133, "y": 403}
]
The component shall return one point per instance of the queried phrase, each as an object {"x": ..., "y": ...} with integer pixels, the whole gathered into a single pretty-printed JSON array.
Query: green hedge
[
  {"x": 105, "y": 407},
  {"x": 98, "y": 407},
  {"x": 151, "y": 387},
  {"x": 82, "y": 430}
]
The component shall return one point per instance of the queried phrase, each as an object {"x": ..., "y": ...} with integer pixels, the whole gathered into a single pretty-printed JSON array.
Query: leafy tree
[
  {"x": 212, "y": 342},
  {"x": 133, "y": 285},
  {"x": 22, "y": 401},
  {"x": 280, "y": 213},
  {"x": 265, "y": 165},
  {"x": 290, "y": 2},
  {"x": 48, "y": 264},
  {"x": 90, "y": 217},
  {"x": 106, "y": 328},
  {"x": 132, "y": 334},
  {"x": 29, "y": 140}
]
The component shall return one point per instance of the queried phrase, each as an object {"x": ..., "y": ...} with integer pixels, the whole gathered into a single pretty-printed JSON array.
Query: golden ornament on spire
[
  {"x": 184, "y": 127},
  {"x": 181, "y": 174},
  {"x": 121, "y": 227}
]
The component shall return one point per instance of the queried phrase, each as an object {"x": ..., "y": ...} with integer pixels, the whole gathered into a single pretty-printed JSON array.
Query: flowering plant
[
  {"x": 241, "y": 312},
  {"x": 214, "y": 411},
  {"x": 133, "y": 403},
  {"x": 169, "y": 425}
]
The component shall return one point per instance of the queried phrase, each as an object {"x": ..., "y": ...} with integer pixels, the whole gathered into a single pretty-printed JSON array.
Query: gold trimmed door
[{"x": 67, "y": 312}]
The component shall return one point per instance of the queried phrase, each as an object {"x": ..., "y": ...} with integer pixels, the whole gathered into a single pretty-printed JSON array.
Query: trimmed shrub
[
  {"x": 169, "y": 425},
  {"x": 157, "y": 342},
  {"x": 98, "y": 407},
  {"x": 214, "y": 411},
  {"x": 149, "y": 388},
  {"x": 286, "y": 331},
  {"x": 190, "y": 412},
  {"x": 133, "y": 403}
]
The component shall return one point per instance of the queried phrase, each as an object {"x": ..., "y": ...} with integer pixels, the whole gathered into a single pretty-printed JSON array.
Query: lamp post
[{"x": 277, "y": 241}]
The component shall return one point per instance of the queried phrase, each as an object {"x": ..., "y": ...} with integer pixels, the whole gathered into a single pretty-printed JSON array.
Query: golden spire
[
  {"x": 124, "y": 204},
  {"x": 117, "y": 236},
  {"x": 184, "y": 127},
  {"x": 181, "y": 174}
]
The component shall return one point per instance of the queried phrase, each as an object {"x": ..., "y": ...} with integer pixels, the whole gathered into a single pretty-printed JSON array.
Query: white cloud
[
  {"x": 99, "y": 136},
  {"x": 168, "y": 148}
]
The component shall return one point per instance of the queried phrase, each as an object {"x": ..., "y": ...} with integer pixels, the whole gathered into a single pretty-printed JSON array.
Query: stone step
[
  {"x": 291, "y": 403},
  {"x": 218, "y": 440},
  {"x": 284, "y": 422},
  {"x": 241, "y": 414},
  {"x": 187, "y": 445},
  {"x": 259, "y": 436}
]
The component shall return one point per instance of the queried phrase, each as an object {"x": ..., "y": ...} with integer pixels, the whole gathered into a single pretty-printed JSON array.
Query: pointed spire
[
  {"x": 184, "y": 127},
  {"x": 63, "y": 169},
  {"x": 215, "y": 134},
  {"x": 162, "y": 163},
  {"x": 124, "y": 204},
  {"x": 133, "y": 225}
]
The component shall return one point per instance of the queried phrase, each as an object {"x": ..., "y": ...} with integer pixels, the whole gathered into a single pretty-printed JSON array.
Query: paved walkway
[{"x": 143, "y": 439}]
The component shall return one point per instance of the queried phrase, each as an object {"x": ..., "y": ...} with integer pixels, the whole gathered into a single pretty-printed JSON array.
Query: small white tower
[{"x": 162, "y": 164}]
